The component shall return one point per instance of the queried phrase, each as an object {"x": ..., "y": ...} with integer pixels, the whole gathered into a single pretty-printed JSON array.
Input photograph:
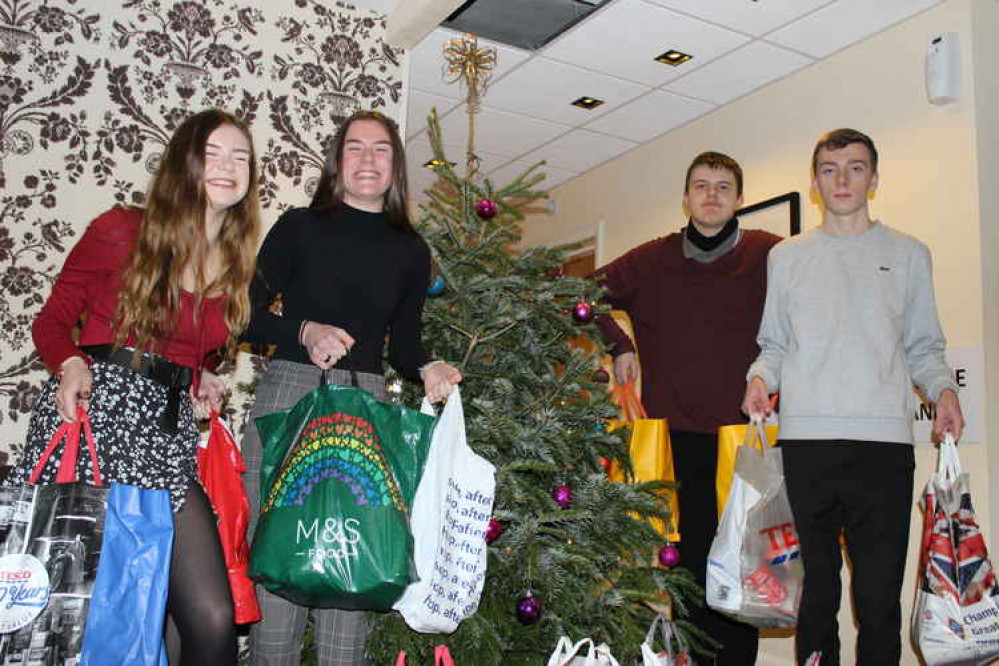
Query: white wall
[{"x": 932, "y": 162}]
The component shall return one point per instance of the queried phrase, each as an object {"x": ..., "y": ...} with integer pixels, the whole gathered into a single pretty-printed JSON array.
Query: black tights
[{"x": 200, "y": 602}]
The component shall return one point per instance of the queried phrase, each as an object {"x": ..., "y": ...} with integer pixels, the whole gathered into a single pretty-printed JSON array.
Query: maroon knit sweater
[{"x": 695, "y": 326}]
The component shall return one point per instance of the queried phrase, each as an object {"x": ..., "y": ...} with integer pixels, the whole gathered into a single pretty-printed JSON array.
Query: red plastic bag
[{"x": 220, "y": 469}]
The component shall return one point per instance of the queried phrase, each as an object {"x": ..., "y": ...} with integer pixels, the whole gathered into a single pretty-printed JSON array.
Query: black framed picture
[{"x": 779, "y": 215}]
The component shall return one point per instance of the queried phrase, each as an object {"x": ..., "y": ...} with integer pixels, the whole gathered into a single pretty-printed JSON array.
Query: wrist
[
  {"x": 79, "y": 361},
  {"x": 301, "y": 332},
  {"x": 427, "y": 366}
]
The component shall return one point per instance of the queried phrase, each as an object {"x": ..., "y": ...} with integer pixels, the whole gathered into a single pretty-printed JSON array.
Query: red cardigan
[{"x": 88, "y": 287}]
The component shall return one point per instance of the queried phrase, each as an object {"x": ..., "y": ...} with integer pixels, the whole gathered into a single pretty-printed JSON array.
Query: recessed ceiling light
[
  {"x": 435, "y": 164},
  {"x": 673, "y": 58},
  {"x": 588, "y": 103}
]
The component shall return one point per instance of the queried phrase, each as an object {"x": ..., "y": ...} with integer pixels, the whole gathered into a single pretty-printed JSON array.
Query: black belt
[{"x": 175, "y": 377}]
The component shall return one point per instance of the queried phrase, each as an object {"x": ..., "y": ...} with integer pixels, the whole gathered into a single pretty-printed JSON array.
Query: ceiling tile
[
  {"x": 754, "y": 18},
  {"x": 420, "y": 179},
  {"x": 419, "y": 106},
  {"x": 511, "y": 170},
  {"x": 579, "y": 150},
  {"x": 426, "y": 68},
  {"x": 544, "y": 88},
  {"x": 623, "y": 40},
  {"x": 418, "y": 152},
  {"x": 843, "y": 23},
  {"x": 738, "y": 73},
  {"x": 499, "y": 132},
  {"x": 649, "y": 116}
]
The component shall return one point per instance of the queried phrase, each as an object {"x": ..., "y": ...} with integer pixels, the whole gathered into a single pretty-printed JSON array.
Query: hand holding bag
[
  {"x": 54, "y": 531},
  {"x": 754, "y": 566},
  {"x": 567, "y": 654},
  {"x": 220, "y": 469},
  {"x": 956, "y": 617},
  {"x": 451, "y": 512}
]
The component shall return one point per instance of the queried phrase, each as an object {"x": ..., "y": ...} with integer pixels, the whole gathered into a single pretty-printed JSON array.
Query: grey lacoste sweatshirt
[{"x": 849, "y": 324}]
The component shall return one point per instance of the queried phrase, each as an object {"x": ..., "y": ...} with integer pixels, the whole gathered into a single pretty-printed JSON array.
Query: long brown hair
[
  {"x": 172, "y": 238},
  {"x": 330, "y": 190}
]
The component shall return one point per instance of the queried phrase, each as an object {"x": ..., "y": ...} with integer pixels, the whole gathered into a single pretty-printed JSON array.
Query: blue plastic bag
[{"x": 128, "y": 606}]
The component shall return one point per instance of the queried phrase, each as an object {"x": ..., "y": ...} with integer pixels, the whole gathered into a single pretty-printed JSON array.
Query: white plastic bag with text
[
  {"x": 451, "y": 512},
  {"x": 754, "y": 566}
]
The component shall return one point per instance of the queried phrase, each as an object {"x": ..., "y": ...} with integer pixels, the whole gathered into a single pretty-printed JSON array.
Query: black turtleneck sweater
[{"x": 353, "y": 270}]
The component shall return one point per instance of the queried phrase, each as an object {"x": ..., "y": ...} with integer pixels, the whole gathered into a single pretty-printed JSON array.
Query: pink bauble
[
  {"x": 486, "y": 209},
  {"x": 669, "y": 556},
  {"x": 562, "y": 496},
  {"x": 494, "y": 530},
  {"x": 583, "y": 312},
  {"x": 529, "y": 609}
]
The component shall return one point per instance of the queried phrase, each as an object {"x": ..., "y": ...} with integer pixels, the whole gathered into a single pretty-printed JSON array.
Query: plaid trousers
[{"x": 340, "y": 634}]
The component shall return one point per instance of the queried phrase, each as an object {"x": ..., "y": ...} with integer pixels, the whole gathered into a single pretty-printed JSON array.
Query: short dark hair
[
  {"x": 841, "y": 138},
  {"x": 716, "y": 161},
  {"x": 330, "y": 190}
]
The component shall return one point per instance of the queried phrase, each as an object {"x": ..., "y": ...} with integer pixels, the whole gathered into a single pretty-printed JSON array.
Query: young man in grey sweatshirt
[{"x": 850, "y": 323}]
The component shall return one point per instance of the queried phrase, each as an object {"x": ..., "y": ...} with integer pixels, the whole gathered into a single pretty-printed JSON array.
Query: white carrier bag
[
  {"x": 755, "y": 573},
  {"x": 667, "y": 656},
  {"x": 956, "y": 617},
  {"x": 567, "y": 654},
  {"x": 451, "y": 511}
]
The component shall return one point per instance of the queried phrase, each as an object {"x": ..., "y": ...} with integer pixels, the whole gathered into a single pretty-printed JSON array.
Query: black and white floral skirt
[{"x": 131, "y": 448}]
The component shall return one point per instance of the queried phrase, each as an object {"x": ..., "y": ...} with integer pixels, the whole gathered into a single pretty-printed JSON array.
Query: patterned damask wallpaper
[{"x": 90, "y": 93}]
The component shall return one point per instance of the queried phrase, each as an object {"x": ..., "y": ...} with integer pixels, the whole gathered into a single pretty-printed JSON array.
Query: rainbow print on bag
[{"x": 336, "y": 446}]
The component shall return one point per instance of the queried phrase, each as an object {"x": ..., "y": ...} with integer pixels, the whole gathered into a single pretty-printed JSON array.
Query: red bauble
[
  {"x": 583, "y": 312},
  {"x": 606, "y": 464},
  {"x": 562, "y": 496},
  {"x": 601, "y": 376},
  {"x": 529, "y": 609},
  {"x": 669, "y": 555},
  {"x": 486, "y": 209},
  {"x": 494, "y": 530}
]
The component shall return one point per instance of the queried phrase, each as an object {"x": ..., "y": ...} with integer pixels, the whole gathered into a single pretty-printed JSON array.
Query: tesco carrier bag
[{"x": 754, "y": 571}]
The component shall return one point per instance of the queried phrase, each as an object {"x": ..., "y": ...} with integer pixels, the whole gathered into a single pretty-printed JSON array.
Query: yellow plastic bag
[
  {"x": 730, "y": 438},
  {"x": 651, "y": 455}
]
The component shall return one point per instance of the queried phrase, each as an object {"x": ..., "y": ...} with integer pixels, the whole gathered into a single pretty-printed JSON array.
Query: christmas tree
[{"x": 570, "y": 552}]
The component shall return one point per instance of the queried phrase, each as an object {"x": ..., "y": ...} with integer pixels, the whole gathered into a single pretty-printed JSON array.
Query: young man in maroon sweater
[{"x": 695, "y": 299}]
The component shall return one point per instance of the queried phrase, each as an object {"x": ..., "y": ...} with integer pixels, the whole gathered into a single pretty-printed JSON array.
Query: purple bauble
[
  {"x": 529, "y": 609},
  {"x": 669, "y": 556},
  {"x": 583, "y": 312},
  {"x": 562, "y": 496},
  {"x": 494, "y": 530},
  {"x": 486, "y": 209}
]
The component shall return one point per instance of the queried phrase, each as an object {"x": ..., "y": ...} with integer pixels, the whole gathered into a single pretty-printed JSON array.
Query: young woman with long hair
[
  {"x": 350, "y": 270},
  {"x": 160, "y": 291}
]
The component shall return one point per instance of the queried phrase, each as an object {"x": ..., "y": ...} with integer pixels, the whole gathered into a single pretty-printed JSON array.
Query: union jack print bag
[{"x": 956, "y": 617}]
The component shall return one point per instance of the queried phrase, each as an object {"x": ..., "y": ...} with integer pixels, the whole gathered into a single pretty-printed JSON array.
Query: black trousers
[
  {"x": 695, "y": 460},
  {"x": 864, "y": 490}
]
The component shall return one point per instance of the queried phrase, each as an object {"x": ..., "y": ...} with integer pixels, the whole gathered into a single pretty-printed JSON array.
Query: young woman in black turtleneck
[{"x": 350, "y": 271}]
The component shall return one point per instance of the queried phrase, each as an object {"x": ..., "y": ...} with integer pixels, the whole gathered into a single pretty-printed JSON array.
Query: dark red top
[
  {"x": 88, "y": 287},
  {"x": 695, "y": 325}
]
